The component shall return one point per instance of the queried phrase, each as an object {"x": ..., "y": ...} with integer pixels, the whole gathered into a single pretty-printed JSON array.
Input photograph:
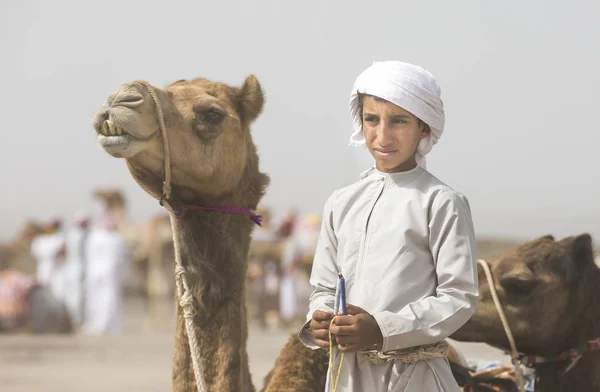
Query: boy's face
[{"x": 392, "y": 134}]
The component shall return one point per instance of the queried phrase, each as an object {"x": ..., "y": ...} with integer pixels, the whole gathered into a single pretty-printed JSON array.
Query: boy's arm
[
  {"x": 432, "y": 319},
  {"x": 324, "y": 273}
]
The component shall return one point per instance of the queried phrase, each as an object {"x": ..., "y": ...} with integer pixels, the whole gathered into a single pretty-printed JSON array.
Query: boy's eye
[
  {"x": 399, "y": 119},
  {"x": 371, "y": 119}
]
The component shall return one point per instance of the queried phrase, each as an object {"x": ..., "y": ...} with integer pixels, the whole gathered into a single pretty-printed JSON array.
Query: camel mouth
[
  {"x": 117, "y": 146},
  {"x": 109, "y": 128},
  {"x": 114, "y": 140}
]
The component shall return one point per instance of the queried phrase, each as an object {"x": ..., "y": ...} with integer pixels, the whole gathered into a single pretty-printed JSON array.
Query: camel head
[
  {"x": 208, "y": 131},
  {"x": 544, "y": 287},
  {"x": 29, "y": 231}
]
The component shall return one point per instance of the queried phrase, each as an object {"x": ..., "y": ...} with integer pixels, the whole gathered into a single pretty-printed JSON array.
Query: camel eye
[
  {"x": 211, "y": 116},
  {"x": 207, "y": 121},
  {"x": 518, "y": 286}
]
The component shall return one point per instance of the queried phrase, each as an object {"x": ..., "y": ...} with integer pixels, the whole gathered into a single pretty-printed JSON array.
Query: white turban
[{"x": 409, "y": 86}]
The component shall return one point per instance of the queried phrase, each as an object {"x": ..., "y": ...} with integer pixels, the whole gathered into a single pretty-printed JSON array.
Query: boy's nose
[{"x": 384, "y": 134}]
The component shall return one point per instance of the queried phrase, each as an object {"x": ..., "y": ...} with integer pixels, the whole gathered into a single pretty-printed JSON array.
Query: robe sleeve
[
  {"x": 452, "y": 245},
  {"x": 324, "y": 273}
]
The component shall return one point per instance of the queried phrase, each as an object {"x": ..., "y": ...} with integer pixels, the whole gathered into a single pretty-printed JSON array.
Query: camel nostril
[{"x": 130, "y": 99}]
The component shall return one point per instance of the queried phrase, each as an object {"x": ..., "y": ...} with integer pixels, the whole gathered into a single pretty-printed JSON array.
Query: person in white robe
[
  {"x": 403, "y": 240},
  {"x": 106, "y": 256},
  {"x": 49, "y": 250},
  {"x": 294, "y": 280},
  {"x": 75, "y": 267}
]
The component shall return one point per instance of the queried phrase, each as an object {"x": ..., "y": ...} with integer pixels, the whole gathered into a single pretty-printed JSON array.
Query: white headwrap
[{"x": 408, "y": 86}]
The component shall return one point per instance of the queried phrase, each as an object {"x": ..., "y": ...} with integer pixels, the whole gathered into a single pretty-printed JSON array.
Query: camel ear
[
  {"x": 581, "y": 248},
  {"x": 251, "y": 99}
]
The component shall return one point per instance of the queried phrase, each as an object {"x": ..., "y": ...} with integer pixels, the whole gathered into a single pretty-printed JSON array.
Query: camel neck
[
  {"x": 584, "y": 376},
  {"x": 214, "y": 250},
  {"x": 585, "y": 326}
]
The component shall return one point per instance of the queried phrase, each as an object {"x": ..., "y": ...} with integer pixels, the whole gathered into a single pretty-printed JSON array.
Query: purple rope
[{"x": 232, "y": 210}]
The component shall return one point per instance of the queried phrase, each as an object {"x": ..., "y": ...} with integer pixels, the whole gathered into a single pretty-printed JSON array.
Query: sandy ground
[{"x": 137, "y": 360}]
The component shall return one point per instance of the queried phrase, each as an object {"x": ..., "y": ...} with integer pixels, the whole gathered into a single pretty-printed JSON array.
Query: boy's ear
[{"x": 425, "y": 130}]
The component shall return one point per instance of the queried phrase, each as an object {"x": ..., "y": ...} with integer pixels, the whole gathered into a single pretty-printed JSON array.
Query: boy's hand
[
  {"x": 357, "y": 331},
  {"x": 319, "y": 327}
]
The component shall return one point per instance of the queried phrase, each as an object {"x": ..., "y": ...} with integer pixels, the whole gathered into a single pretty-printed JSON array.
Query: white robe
[
  {"x": 405, "y": 244},
  {"x": 106, "y": 257},
  {"x": 50, "y": 269},
  {"x": 74, "y": 273}
]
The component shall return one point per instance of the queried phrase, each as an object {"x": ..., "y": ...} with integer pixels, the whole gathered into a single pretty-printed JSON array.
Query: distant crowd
[
  {"x": 77, "y": 271},
  {"x": 80, "y": 267}
]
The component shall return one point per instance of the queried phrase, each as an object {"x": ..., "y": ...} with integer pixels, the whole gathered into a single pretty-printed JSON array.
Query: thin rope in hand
[
  {"x": 339, "y": 305},
  {"x": 515, "y": 357},
  {"x": 334, "y": 380},
  {"x": 186, "y": 299}
]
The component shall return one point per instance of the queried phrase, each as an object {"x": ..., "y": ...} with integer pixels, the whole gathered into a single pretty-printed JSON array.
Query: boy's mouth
[{"x": 384, "y": 152}]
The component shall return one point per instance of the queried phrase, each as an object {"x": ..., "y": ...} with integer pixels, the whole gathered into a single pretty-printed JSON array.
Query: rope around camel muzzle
[{"x": 184, "y": 294}]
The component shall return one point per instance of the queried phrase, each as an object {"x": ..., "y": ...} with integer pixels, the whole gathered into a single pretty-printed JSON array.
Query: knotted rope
[
  {"x": 186, "y": 299},
  {"x": 407, "y": 355}
]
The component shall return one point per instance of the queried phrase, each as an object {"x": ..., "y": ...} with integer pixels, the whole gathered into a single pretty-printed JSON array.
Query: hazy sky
[{"x": 520, "y": 83}]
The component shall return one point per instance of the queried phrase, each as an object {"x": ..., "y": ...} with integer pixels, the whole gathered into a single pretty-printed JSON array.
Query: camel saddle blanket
[
  {"x": 407, "y": 355},
  {"x": 14, "y": 289}
]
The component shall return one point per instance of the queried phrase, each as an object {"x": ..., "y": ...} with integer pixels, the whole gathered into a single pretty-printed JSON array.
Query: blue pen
[
  {"x": 336, "y": 303},
  {"x": 342, "y": 292}
]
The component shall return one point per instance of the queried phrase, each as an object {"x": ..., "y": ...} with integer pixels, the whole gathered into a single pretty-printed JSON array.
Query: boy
[{"x": 403, "y": 240}]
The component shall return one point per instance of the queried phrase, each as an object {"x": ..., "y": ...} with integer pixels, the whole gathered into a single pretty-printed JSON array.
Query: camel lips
[{"x": 109, "y": 128}]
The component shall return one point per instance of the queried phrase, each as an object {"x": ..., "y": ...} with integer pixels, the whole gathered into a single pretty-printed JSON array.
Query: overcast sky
[{"x": 519, "y": 80}]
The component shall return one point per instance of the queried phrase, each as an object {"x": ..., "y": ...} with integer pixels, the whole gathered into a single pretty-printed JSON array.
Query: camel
[
  {"x": 18, "y": 250},
  {"x": 550, "y": 292},
  {"x": 214, "y": 164}
]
